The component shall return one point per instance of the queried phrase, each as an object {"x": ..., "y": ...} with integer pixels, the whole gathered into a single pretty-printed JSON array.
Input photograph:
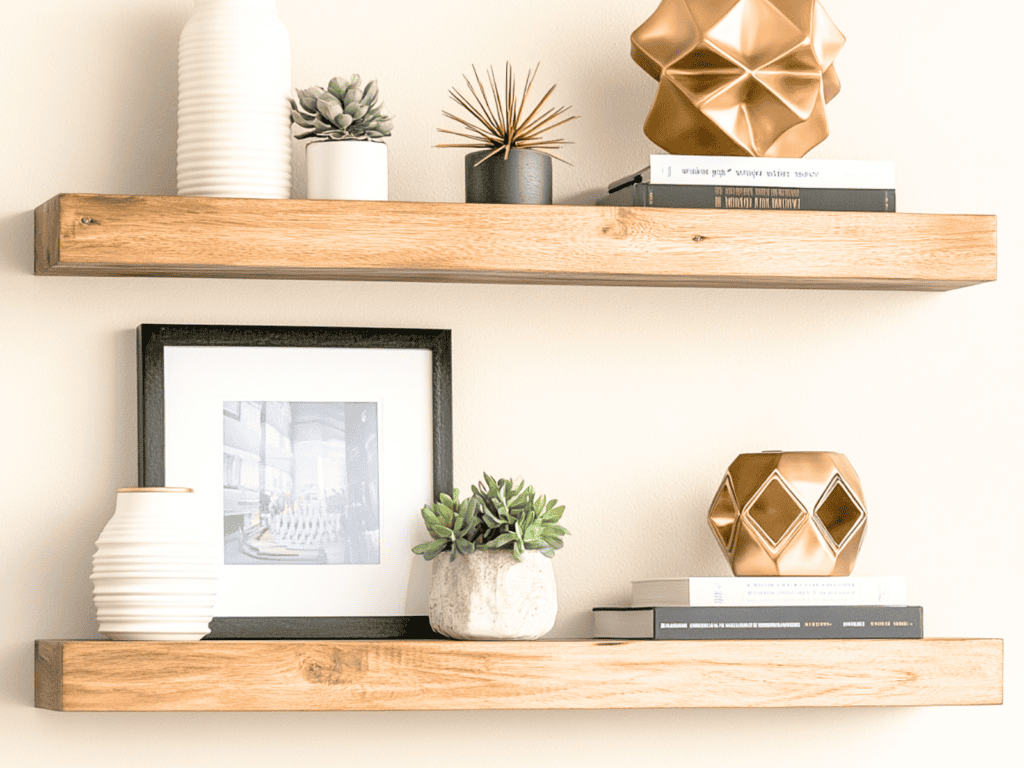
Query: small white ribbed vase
[
  {"x": 234, "y": 120},
  {"x": 154, "y": 573}
]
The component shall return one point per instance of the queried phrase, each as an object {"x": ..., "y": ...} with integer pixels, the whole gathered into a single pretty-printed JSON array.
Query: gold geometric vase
[
  {"x": 795, "y": 513},
  {"x": 739, "y": 77}
]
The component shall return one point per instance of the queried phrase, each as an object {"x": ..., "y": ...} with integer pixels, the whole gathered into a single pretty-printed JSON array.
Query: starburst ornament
[{"x": 739, "y": 77}]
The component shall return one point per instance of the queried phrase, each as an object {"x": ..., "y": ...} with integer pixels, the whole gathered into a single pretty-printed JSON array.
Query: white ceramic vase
[
  {"x": 347, "y": 170},
  {"x": 488, "y": 595},
  {"x": 155, "y": 569},
  {"x": 234, "y": 119}
]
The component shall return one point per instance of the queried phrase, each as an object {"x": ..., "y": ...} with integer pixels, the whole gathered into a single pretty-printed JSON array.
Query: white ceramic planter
[
  {"x": 488, "y": 595},
  {"x": 234, "y": 120},
  {"x": 346, "y": 170},
  {"x": 155, "y": 568}
]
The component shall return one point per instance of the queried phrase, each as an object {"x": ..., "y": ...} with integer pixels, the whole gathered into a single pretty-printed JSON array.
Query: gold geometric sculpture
[
  {"x": 789, "y": 514},
  {"x": 739, "y": 77}
]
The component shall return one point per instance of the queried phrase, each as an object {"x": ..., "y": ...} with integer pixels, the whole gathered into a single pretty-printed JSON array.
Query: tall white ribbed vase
[
  {"x": 155, "y": 569},
  {"x": 234, "y": 120}
]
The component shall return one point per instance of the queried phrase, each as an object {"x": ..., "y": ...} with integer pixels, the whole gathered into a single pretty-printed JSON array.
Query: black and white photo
[{"x": 300, "y": 483}]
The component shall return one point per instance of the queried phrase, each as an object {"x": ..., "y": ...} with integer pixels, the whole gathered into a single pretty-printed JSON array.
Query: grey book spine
[
  {"x": 647, "y": 195},
  {"x": 761, "y": 622}
]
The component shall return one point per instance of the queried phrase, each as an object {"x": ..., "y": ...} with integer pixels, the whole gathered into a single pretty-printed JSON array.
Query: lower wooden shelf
[{"x": 101, "y": 675}]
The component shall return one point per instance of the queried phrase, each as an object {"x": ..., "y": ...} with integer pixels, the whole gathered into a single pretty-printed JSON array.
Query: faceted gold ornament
[
  {"x": 739, "y": 77},
  {"x": 789, "y": 514}
]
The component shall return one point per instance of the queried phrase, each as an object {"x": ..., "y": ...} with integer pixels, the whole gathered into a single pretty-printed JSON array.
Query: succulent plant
[
  {"x": 500, "y": 122},
  {"x": 453, "y": 526},
  {"x": 499, "y": 515},
  {"x": 342, "y": 110}
]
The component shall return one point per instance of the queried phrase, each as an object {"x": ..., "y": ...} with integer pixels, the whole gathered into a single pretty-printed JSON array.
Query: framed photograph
[{"x": 312, "y": 450}]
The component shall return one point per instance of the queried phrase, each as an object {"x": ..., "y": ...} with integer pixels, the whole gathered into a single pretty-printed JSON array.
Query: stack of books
[
  {"x": 763, "y": 608},
  {"x": 758, "y": 184}
]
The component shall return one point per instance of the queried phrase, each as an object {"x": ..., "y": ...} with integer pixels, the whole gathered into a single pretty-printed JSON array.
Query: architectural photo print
[{"x": 301, "y": 483}]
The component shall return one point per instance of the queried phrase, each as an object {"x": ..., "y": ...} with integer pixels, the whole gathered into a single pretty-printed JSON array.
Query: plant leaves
[
  {"x": 522, "y": 499},
  {"x": 554, "y": 516},
  {"x": 338, "y": 86},
  {"x": 302, "y": 119},
  {"x": 439, "y": 531},
  {"x": 329, "y": 108},
  {"x": 356, "y": 110},
  {"x": 431, "y": 549},
  {"x": 503, "y": 540},
  {"x": 308, "y": 97},
  {"x": 371, "y": 91}
]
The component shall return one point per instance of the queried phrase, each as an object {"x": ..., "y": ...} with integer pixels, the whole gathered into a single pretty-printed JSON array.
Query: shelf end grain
[
  {"x": 50, "y": 674},
  {"x": 47, "y": 235}
]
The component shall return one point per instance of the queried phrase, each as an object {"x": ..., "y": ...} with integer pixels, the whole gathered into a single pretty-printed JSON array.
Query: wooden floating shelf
[
  {"x": 576, "y": 674},
  {"x": 446, "y": 242}
]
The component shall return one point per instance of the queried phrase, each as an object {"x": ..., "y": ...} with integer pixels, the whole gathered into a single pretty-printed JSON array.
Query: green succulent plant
[
  {"x": 342, "y": 110},
  {"x": 499, "y": 515}
]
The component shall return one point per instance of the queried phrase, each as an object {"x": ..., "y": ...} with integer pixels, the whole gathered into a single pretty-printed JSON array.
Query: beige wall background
[{"x": 626, "y": 404}]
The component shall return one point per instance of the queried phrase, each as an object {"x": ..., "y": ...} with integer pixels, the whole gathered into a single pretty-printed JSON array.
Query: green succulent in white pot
[
  {"x": 347, "y": 122},
  {"x": 495, "y": 580}
]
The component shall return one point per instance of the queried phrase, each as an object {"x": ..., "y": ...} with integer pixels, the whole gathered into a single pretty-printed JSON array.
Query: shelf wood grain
[
  {"x": 576, "y": 674},
  {"x": 112, "y": 235}
]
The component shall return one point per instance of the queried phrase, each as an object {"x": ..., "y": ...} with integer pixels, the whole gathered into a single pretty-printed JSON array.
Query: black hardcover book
[
  {"x": 759, "y": 622},
  {"x": 639, "y": 193}
]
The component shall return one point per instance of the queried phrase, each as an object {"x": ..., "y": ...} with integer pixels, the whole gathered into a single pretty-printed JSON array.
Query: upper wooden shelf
[
  {"x": 576, "y": 674},
  {"x": 580, "y": 245}
]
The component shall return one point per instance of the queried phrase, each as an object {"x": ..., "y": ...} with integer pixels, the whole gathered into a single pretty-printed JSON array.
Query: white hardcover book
[
  {"x": 773, "y": 172},
  {"x": 770, "y": 590}
]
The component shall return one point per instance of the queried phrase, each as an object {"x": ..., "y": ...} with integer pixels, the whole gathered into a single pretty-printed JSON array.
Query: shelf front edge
[
  {"x": 107, "y": 235},
  {"x": 447, "y": 675}
]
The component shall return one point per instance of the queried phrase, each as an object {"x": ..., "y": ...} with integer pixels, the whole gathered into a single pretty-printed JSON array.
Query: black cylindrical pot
[{"x": 525, "y": 177}]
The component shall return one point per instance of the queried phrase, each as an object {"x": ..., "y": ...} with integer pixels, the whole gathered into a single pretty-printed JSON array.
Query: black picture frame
[{"x": 154, "y": 339}]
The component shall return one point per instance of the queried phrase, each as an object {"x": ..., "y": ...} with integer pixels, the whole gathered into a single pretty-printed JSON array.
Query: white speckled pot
[{"x": 489, "y": 596}]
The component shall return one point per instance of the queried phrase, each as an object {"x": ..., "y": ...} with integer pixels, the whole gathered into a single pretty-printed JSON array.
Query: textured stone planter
[{"x": 489, "y": 596}]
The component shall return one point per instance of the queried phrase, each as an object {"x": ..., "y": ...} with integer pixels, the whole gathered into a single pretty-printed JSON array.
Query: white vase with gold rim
[{"x": 155, "y": 568}]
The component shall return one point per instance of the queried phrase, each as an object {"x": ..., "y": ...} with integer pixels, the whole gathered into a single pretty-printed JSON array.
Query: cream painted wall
[{"x": 639, "y": 400}]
